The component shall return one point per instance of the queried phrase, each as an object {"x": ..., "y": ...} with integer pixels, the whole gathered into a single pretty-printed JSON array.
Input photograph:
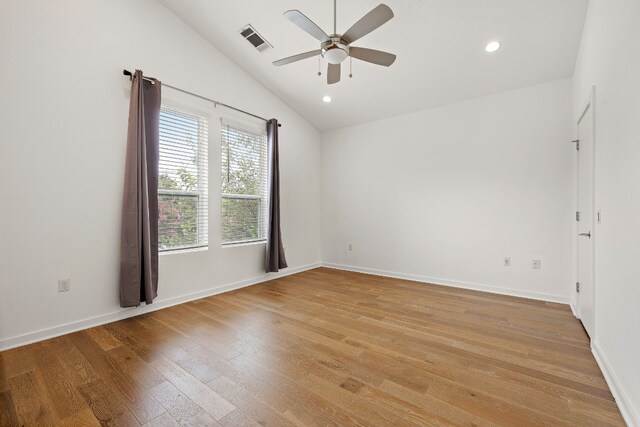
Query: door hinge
[
  {"x": 578, "y": 287},
  {"x": 577, "y": 141},
  {"x": 577, "y": 216}
]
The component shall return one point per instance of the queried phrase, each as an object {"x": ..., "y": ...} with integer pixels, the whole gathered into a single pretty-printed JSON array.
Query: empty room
[{"x": 319, "y": 213}]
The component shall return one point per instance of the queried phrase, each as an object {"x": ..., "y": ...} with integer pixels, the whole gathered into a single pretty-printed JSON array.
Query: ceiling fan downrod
[{"x": 335, "y": 17}]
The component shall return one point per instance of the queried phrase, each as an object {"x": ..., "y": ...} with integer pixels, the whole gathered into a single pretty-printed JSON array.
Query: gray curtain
[
  {"x": 275, "y": 259},
  {"x": 139, "y": 233}
]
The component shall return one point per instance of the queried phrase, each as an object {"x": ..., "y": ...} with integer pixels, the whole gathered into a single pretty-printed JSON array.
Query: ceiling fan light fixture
[
  {"x": 492, "y": 46},
  {"x": 334, "y": 54}
]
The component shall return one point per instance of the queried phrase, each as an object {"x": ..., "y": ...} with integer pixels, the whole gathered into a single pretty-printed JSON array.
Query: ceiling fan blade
[
  {"x": 374, "y": 56},
  {"x": 297, "y": 57},
  {"x": 333, "y": 74},
  {"x": 306, "y": 24},
  {"x": 369, "y": 22}
]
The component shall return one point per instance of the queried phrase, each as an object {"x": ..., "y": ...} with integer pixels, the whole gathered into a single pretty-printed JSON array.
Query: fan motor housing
[{"x": 335, "y": 50}]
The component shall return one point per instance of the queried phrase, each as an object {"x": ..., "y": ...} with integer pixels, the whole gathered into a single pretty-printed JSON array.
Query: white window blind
[
  {"x": 244, "y": 185},
  {"x": 182, "y": 186}
]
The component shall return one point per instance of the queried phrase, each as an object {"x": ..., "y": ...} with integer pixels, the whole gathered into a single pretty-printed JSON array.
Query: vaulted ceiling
[{"x": 439, "y": 44}]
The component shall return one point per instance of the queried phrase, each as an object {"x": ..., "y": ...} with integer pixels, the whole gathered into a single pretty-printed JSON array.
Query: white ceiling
[{"x": 439, "y": 44}]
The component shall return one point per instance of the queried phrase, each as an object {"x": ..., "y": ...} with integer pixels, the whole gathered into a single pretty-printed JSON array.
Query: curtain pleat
[
  {"x": 275, "y": 258},
  {"x": 139, "y": 232}
]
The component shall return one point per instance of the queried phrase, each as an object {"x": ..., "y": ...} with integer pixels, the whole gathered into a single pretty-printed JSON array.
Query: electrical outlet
[
  {"x": 535, "y": 264},
  {"x": 350, "y": 247},
  {"x": 64, "y": 285},
  {"x": 507, "y": 261}
]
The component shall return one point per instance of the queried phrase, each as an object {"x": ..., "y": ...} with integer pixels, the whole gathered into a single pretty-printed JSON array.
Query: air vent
[{"x": 255, "y": 39}]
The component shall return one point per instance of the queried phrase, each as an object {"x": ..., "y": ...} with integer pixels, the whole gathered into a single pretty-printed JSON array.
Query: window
[
  {"x": 182, "y": 184},
  {"x": 244, "y": 185}
]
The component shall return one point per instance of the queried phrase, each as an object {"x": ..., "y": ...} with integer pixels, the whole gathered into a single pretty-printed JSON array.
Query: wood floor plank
[
  {"x": 307, "y": 406},
  {"x": 57, "y": 383},
  {"x": 106, "y": 406},
  {"x": 330, "y": 396},
  {"x": 135, "y": 367},
  {"x": 250, "y": 405},
  {"x": 126, "y": 333},
  {"x": 214, "y": 404},
  {"x": 30, "y": 401},
  {"x": 124, "y": 388},
  {"x": 164, "y": 420},
  {"x": 8, "y": 415},
  {"x": 4, "y": 374},
  {"x": 323, "y": 347},
  {"x": 77, "y": 368},
  {"x": 84, "y": 418},
  {"x": 237, "y": 418},
  {"x": 15, "y": 362},
  {"x": 180, "y": 407},
  {"x": 103, "y": 338},
  {"x": 416, "y": 354},
  {"x": 217, "y": 363},
  {"x": 435, "y": 407}
]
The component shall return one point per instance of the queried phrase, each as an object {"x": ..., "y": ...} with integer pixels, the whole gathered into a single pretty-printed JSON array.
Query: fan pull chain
[
  {"x": 350, "y": 66},
  {"x": 319, "y": 65}
]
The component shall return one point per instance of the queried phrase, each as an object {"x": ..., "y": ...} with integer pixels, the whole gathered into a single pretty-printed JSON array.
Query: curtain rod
[{"x": 216, "y": 103}]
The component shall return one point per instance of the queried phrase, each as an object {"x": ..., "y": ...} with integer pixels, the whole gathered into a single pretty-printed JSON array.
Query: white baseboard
[
  {"x": 31, "y": 337},
  {"x": 631, "y": 417},
  {"x": 452, "y": 283},
  {"x": 574, "y": 309}
]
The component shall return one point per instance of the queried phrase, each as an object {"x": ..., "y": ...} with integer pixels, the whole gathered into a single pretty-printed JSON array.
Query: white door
[{"x": 586, "y": 157}]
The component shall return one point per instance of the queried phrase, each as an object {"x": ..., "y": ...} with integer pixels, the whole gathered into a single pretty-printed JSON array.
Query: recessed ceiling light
[
  {"x": 492, "y": 46},
  {"x": 326, "y": 98}
]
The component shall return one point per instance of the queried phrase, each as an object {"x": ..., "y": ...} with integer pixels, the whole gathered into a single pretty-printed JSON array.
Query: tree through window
[
  {"x": 182, "y": 183},
  {"x": 244, "y": 185}
]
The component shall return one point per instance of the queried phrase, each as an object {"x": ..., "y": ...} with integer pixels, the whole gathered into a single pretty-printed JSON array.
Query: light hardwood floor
[{"x": 323, "y": 347}]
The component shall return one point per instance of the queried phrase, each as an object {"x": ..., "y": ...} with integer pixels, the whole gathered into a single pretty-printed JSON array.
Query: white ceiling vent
[{"x": 255, "y": 39}]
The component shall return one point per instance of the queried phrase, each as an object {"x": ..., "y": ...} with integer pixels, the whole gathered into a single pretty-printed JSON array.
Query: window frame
[
  {"x": 226, "y": 122},
  {"x": 202, "y": 166}
]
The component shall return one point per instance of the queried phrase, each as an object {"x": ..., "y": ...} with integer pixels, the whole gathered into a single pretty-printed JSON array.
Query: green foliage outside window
[
  {"x": 178, "y": 215},
  {"x": 178, "y": 193},
  {"x": 243, "y": 182}
]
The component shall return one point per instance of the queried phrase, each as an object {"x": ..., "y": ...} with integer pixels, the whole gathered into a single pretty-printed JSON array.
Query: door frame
[{"x": 589, "y": 104}]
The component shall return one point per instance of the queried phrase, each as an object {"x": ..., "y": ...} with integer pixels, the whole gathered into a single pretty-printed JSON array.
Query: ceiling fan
[{"x": 335, "y": 48}]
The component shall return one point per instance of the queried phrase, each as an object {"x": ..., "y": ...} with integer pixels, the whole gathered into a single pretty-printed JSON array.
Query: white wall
[
  {"x": 445, "y": 194},
  {"x": 609, "y": 58},
  {"x": 63, "y": 116}
]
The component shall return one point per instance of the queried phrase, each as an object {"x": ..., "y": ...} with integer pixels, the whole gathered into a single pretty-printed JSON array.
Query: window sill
[
  {"x": 239, "y": 244},
  {"x": 183, "y": 251}
]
